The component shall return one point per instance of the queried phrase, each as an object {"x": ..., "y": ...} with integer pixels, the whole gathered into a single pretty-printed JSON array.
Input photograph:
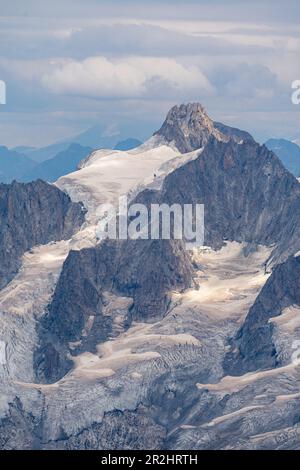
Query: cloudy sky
[{"x": 72, "y": 64}]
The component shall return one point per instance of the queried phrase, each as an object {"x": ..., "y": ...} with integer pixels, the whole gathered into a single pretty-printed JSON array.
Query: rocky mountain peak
[
  {"x": 188, "y": 127},
  {"x": 189, "y": 112}
]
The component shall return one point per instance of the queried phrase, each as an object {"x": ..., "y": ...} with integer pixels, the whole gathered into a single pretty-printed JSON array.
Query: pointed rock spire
[{"x": 188, "y": 127}]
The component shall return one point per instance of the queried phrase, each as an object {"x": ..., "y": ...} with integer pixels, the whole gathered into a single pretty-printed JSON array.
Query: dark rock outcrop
[
  {"x": 248, "y": 195},
  {"x": 236, "y": 134},
  {"x": 144, "y": 270},
  {"x": 32, "y": 214},
  {"x": 130, "y": 430},
  {"x": 19, "y": 428},
  {"x": 253, "y": 348}
]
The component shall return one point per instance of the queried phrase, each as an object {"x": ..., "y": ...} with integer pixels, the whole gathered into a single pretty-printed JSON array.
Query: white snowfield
[
  {"x": 234, "y": 384},
  {"x": 108, "y": 174},
  {"x": 122, "y": 351}
]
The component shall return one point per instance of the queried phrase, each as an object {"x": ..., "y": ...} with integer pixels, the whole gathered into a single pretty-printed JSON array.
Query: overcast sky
[{"x": 72, "y": 64}]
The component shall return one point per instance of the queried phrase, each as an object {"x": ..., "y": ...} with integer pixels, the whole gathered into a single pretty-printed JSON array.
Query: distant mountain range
[
  {"x": 26, "y": 164},
  {"x": 89, "y": 138},
  {"x": 13, "y": 165},
  {"x": 24, "y": 149},
  {"x": 288, "y": 152},
  {"x": 94, "y": 137},
  {"x": 64, "y": 162},
  {"x": 128, "y": 144}
]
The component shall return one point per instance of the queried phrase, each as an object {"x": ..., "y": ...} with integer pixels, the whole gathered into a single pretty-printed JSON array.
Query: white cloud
[
  {"x": 144, "y": 60},
  {"x": 245, "y": 81},
  {"x": 132, "y": 77}
]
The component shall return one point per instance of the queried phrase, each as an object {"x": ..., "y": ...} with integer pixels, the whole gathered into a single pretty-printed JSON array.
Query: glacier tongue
[
  {"x": 188, "y": 344},
  {"x": 22, "y": 303}
]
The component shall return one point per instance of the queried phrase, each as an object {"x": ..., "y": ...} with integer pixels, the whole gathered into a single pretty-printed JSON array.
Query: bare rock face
[
  {"x": 19, "y": 429},
  {"x": 253, "y": 347},
  {"x": 125, "y": 427},
  {"x": 143, "y": 271},
  {"x": 32, "y": 214},
  {"x": 247, "y": 193},
  {"x": 188, "y": 127},
  {"x": 236, "y": 134}
]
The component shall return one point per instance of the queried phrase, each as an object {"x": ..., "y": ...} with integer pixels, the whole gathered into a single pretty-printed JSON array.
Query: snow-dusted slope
[{"x": 108, "y": 174}]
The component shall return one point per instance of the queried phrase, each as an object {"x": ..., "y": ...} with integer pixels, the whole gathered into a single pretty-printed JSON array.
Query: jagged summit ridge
[{"x": 189, "y": 127}]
